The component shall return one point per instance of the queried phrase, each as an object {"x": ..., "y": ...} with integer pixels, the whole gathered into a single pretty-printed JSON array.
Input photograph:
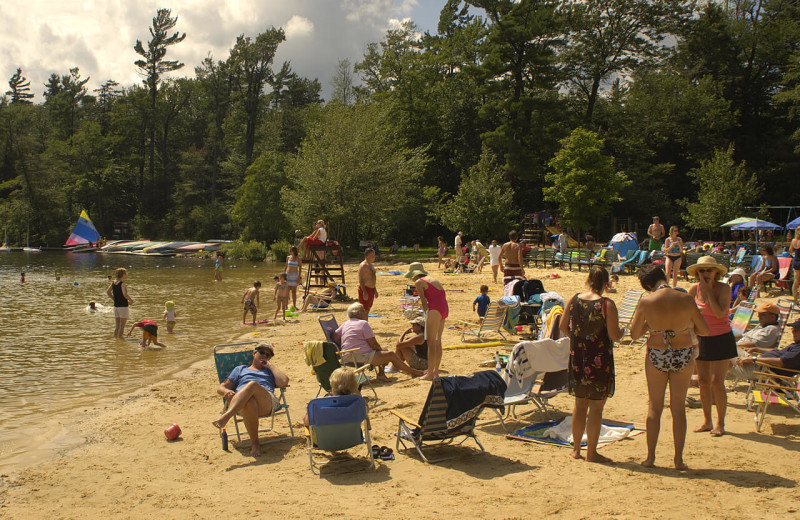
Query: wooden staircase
[
  {"x": 532, "y": 234},
  {"x": 325, "y": 265}
]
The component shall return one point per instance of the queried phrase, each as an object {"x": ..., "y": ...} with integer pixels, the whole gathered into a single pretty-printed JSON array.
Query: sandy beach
[{"x": 125, "y": 468}]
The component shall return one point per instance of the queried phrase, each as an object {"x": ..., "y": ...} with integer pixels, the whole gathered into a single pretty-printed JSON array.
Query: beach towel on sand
[
  {"x": 563, "y": 432},
  {"x": 536, "y": 433}
]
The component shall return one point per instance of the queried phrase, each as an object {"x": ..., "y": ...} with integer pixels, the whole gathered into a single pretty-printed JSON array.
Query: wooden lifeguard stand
[
  {"x": 532, "y": 233},
  {"x": 325, "y": 265}
]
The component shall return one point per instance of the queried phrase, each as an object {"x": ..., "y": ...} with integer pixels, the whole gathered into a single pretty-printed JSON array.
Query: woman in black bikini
[{"x": 669, "y": 315}]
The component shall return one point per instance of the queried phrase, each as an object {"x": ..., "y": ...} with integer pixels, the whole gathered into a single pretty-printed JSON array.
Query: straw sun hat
[
  {"x": 706, "y": 262},
  {"x": 416, "y": 269}
]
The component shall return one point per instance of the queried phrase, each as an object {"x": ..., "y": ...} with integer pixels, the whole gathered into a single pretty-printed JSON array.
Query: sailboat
[
  {"x": 28, "y": 247},
  {"x": 4, "y": 248},
  {"x": 84, "y": 236}
]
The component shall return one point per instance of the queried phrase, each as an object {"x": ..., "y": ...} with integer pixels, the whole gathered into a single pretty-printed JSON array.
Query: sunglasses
[
  {"x": 706, "y": 270},
  {"x": 265, "y": 353}
]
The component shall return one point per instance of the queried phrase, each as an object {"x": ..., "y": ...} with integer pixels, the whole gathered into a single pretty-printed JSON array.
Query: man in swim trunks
[
  {"x": 512, "y": 252},
  {"x": 656, "y": 233},
  {"x": 250, "y": 392},
  {"x": 787, "y": 357},
  {"x": 251, "y": 302},
  {"x": 149, "y": 333},
  {"x": 366, "y": 280}
]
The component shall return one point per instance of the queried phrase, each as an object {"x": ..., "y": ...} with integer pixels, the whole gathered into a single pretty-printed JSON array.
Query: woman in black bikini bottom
[{"x": 670, "y": 356}]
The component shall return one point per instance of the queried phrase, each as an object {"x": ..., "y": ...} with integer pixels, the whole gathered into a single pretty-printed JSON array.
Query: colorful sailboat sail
[{"x": 83, "y": 232}]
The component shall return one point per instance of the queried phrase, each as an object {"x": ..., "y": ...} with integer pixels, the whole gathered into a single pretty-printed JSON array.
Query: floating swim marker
[{"x": 75, "y": 283}]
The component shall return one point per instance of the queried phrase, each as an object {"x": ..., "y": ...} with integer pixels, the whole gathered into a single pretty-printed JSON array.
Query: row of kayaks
[{"x": 148, "y": 247}]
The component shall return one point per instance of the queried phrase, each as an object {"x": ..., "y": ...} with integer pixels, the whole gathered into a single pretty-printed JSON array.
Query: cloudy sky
[{"x": 47, "y": 36}]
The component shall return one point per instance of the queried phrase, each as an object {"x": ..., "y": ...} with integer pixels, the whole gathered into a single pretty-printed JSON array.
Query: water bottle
[
  {"x": 224, "y": 440},
  {"x": 497, "y": 365}
]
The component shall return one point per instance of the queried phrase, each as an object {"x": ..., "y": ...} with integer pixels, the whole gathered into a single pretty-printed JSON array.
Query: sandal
[{"x": 386, "y": 453}]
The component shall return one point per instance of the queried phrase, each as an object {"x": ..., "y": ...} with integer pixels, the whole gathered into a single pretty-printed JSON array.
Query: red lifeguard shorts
[{"x": 366, "y": 297}]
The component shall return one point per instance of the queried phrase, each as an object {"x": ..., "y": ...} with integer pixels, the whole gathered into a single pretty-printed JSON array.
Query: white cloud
[
  {"x": 298, "y": 27},
  {"x": 52, "y": 36}
]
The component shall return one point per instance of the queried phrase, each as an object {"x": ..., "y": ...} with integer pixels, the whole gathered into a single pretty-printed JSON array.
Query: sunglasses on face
[{"x": 706, "y": 270}]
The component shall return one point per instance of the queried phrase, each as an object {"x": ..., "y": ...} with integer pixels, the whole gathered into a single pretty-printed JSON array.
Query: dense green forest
[{"x": 594, "y": 108}]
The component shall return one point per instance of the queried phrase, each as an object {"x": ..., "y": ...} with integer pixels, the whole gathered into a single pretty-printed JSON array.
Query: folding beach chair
[
  {"x": 451, "y": 410},
  {"x": 492, "y": 323},
  {"x": 784, "y": 278},
  {"x": 536, "y": 372},
  {"x": 330, "y": 352},
  {"x": 335, "y": 424},
  {"x": 329, "y": 326},
  {"x": 741, "y": 318},
  {"x": 230, "y": 355},
  {"x": 786, "y": 307},
  {"x": 627, "y": 308},
  {"x": 773, "y": 386},
  {"x": 411, "y": 307}
]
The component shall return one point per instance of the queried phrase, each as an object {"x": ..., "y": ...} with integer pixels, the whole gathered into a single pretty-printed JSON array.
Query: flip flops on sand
[{"x": 382, "y": 452}]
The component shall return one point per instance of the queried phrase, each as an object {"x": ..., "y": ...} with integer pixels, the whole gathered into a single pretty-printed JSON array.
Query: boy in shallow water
[
  {"x": 169, "y": 315},
  {"x": 251, "y": 302},
  {"x": 149, "y": 333}
]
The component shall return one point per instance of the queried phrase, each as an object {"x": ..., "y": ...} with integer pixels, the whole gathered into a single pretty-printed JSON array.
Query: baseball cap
[{"x": 769, "y": 307}]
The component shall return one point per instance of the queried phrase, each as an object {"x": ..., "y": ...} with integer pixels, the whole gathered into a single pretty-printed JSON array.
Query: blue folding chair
[
  {"x": 334, "y": 424},
  {"x": 242, "y": 354}
]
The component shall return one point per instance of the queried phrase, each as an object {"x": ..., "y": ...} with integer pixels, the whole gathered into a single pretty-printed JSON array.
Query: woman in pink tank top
[
  {"x": 434, "y": 303},
  {"x": 718, "y": 347}
]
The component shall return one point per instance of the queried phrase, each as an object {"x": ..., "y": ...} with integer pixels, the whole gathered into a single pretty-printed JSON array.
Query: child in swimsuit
[
  {"x": 250, "y": 301},
  {"x": 281, "y": 295},
  {"x": 169, "y": 315}
]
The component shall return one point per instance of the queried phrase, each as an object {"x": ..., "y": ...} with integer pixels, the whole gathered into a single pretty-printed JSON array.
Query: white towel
[
  {"x": 536, "y": 357},
  {"x": 563, "y": 431}
]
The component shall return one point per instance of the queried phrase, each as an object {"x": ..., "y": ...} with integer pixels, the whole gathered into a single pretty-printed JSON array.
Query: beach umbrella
[
  {"x": 793, "y": 224},
  {"x": 758, "y": 225},
  {"x": 740, "y": 220}
]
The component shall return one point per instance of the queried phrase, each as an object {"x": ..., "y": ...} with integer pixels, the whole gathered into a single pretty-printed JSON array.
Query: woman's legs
[
  {"x": 678, "y": 386},
  {"x": 668, "y": 267},
  {"x": 293, "y": 291},
  {"x": 656, "y": 387},
  {"x": 796, "y": 285},
  {"x": 593, "y": 425},
  {"x": 676, "y": 268},
  {"x": 495, "y": 268},
  {"x": 434, "y": 326},
  {"x": 712, "y": 389},
  {"x": 578, "y": 425}
]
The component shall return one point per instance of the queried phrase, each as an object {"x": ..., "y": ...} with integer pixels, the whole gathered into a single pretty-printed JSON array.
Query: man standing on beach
[
  {"x": 366, "y": 280},
  {"x": 512, "y": 252},
  {"x": 457, "y": 243},
  {"x": 656, "y": 233}
]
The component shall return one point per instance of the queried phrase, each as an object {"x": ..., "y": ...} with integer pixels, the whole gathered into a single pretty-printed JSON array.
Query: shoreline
[{"x": 126, "y": 469}]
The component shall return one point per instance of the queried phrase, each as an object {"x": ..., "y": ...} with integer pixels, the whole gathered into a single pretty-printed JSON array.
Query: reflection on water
[{"x": 57, "y": 355}]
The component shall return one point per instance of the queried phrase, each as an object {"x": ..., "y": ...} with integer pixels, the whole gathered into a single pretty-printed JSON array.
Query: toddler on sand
[
  {"x": 281, "y": 295},
  {"x": 251, "y": 302},
  {"x": 169, "y": 315},
  {"x": 482, "y": 301}
]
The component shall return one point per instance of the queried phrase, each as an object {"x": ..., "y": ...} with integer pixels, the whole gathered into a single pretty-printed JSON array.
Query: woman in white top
[{"x": 494, "y": 258}]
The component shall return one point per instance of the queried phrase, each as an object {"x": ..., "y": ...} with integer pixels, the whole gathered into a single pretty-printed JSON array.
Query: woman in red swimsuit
[{"x": 434, "y": 303}]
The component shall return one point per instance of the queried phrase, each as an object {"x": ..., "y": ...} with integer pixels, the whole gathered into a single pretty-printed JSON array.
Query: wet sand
[{"x": 124, "y": 468}]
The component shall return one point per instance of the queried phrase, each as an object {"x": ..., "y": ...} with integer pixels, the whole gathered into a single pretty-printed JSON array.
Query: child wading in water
[
  {"x": 251, "y": 302},
  {"x": 281, "y": 295},
  {"x": 149, "y": 333},
  {"x": 169, "y": 315}
]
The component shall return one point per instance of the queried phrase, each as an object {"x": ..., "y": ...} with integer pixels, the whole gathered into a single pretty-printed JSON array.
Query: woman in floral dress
[{"x": 592, "y": 323}]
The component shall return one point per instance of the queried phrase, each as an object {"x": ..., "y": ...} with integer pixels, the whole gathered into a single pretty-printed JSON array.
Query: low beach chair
[
  {"x": 773, "y": 386},
  {"x": 786, "y": 307},
  {"x": 445, "y": 418},
  {"x": 535, "y": 373},
  {"x": 330, "y": 352},
  {"x": 335, "y": 424},
  {"x": 627, "y": 308},
  {"x": 230, "y": 355},
  {"x": 329, "y": 326},
  {"x": 741, "y": 318},
  {"x": 492, "y": 323},
  {"x": 785, "y": 272}
]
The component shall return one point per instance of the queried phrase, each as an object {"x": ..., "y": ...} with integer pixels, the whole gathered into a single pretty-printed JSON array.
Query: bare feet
[
  {"x": 596, "y": 457},
  {"x": 575, "y": 454},
  {"x": 705, "y": 427},
  {"x": 255, "y": 450},
  {"x": 719, "y": 431},
  {"x": 384, "y": 378},
  {"x": 220, "y": 423},
  {"x": 680, "y": 465},
  {"x": 649, "y": 462}
]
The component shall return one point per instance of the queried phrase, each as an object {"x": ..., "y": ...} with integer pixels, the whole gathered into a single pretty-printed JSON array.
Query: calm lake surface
[{"x": 56, "y": 355}]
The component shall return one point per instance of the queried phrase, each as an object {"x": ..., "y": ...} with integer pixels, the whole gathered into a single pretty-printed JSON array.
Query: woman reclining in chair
[{"x": 250, "y": 392}]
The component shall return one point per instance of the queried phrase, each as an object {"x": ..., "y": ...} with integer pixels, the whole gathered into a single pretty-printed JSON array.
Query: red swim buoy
[{"x": 173, "y": 432}]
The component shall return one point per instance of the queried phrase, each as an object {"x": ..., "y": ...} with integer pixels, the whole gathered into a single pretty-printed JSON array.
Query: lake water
[{"x": 56, "y": 355}]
